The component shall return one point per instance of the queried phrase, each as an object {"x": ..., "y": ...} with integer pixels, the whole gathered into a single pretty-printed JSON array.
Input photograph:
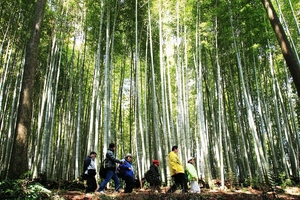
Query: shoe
[{"x": 99, "y": 193}]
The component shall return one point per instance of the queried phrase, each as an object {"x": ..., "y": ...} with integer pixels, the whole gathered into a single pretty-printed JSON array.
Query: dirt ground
[{"x": 292, "y": 193}]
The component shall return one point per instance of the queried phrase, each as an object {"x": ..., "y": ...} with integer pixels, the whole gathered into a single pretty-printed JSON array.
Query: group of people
[
  {"x": 110, "y": 164},
  {"x": 180, "y": 176},
  {"x": 177, "y": 172}
]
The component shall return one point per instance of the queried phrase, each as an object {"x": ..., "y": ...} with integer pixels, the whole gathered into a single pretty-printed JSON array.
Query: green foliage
[
  {"x": 23, "y": 189},
  {"x": 36, "y": 189},
  {"x": 254, "y": 182},
  {"x": 231, "y": 179},
  {"x": 285, "y": 182}
]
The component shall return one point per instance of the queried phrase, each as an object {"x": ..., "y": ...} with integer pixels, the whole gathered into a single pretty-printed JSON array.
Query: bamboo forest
[{"x": 219, "y": 79}]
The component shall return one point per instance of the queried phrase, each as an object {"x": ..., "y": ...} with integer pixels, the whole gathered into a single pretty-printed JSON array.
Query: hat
[
  {"x": 155, "y": 162},
  {"x": 190, "y": 158},
  {"x": 128, "y": 155}
]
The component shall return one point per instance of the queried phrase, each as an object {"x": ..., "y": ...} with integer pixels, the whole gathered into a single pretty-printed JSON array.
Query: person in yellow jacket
[{"x": 177, "y": 172}]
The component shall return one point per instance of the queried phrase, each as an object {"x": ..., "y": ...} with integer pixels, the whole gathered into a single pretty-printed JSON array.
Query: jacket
[
  {"x": 126, "y": 165},
  {"x": 89, "y": 164},
  {"x": 154, "y": 171},
  {"x": 191, "y": 172},
  {"x": 111, "y": 160},
  {"x": 175, "y": 164},
  {"x": 154, "y": 175}
]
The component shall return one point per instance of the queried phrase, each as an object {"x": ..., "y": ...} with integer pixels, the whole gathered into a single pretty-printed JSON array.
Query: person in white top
[
  {"x": 192, "y": 176},
  {"x": 90, "y": 172}
]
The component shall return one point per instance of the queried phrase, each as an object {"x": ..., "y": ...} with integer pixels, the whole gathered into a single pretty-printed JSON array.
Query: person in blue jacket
[{"x": 129, "y": 174}]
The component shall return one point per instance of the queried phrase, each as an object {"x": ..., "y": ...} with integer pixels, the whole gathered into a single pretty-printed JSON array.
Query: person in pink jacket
[{"x": 177, "y": 172}]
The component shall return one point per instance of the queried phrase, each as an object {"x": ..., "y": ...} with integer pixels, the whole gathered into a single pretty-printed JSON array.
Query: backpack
[
  {"x": 87, "y": 162},
  {"x": 84, "y": 176},
  {"x": 152, "y": 178},
  {"x": 186, "y": 175},
  {"x": 148, "y": 176},
  {"x": 102, "y": 171},
  {"x": 121, "y": 172}
]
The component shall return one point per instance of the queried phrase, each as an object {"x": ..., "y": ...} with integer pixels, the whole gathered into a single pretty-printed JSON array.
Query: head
[
  {"x": 112, "y": 146},
  {"x": 93, "y": 154},
  {"x": 191, "y": 160},
  {"x": 175, "y": 149},
  {"x": 155, "y": 162},
  {"x": 128, "y": 157}
]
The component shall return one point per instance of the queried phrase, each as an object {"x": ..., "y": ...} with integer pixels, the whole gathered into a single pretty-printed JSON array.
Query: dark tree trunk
[
  {"x": 288, "y": 53},
  {"x": 19, "y": 157}
]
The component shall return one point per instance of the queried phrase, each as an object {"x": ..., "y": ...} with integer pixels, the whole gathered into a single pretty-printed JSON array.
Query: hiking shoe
[
  {"x": 88, "y": 194},
  {"x": 100, "y": 193}
]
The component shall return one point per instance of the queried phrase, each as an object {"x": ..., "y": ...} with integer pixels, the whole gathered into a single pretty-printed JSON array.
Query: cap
[
  {"x": 190, "y": 158},
  {"x": 155, "y": 162},
  {"x": 128, "y": 155}
]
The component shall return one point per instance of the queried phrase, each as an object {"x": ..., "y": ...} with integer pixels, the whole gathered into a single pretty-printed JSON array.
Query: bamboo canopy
[{"x": 220, "y": 79}]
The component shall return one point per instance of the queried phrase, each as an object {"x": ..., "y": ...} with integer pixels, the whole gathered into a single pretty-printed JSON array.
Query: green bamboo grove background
[{"x": 208, "y": 76}]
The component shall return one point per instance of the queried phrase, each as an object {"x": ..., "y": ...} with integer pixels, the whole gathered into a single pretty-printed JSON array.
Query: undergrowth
[{"x": 23, "y": 189}]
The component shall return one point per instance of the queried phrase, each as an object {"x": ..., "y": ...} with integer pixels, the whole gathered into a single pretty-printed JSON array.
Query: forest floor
[{"x": 291, "y": 193}]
